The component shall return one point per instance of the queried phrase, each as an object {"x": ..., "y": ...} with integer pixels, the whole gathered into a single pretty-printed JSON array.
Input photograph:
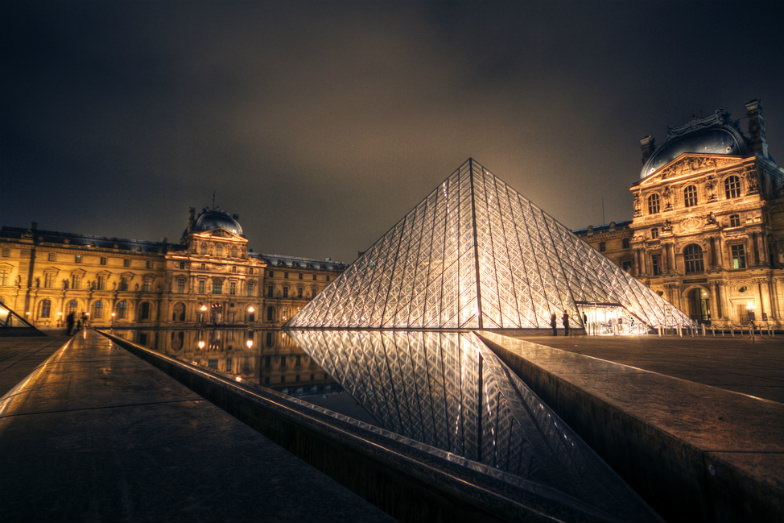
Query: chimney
[
  {"x": 757, "y": 127},
  {"x": 648, "y": 145}
]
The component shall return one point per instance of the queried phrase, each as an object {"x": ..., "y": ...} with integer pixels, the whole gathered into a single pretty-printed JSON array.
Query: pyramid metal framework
[{"x": 476, "y": 254}]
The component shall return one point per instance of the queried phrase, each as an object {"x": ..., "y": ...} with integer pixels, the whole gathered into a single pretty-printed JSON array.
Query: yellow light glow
[
  {"x": 201, "y": 344},
  {"x": 238, "y": 378},
  {"x": 251, "y": 309},
  {"x": 249, "y": 343}
]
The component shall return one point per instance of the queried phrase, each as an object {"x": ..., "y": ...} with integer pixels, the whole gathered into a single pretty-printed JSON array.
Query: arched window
[
  {"x": 732, "y": 187},
  {"x": 690, "y": 196},
  {"x": 122, "y": 310},
  {"x": 144, "y": 311},
  {"x": 46, "y": 309},
  {"x": 72, "y": 306},
  {"x": 653, "y": 204},
  {"x": 692, "y": 258},
  {"x": 178, "y": 312},
  {"x": 98, "y": 310}
]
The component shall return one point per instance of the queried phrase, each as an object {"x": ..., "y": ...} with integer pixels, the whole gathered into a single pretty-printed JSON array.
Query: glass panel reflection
[{"x": 448, "y": 390}]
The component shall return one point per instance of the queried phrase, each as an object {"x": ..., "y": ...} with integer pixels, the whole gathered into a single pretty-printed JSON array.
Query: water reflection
[
  {"x": 262, "y": 357},
  {"x": 448, "y": 390}
]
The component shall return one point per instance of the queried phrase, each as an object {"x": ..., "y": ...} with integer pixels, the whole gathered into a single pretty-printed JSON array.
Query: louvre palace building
[
  {"x": 210, "y": 278},
  {"x": 707, "y": 231}
]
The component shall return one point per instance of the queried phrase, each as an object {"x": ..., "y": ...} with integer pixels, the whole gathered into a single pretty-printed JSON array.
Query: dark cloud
[{"x": 322, "y": 123}]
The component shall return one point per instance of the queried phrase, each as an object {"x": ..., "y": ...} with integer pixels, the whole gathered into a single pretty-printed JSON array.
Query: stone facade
[
  {"x": 209, "y": 278},
  {"x": 708, "y": 226}
]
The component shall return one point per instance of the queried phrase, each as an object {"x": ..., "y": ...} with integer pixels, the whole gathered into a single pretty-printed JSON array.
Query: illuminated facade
[
  {"x": 708, "y": 225},
  {"x": 477, "y": 254},
  {"x": 209, "y": 278}
]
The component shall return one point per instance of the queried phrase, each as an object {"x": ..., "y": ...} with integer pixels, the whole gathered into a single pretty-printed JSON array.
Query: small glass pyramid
[{"x": 476, "y": 254}]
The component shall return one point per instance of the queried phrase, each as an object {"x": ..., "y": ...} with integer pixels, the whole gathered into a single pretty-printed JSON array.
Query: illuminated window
[
  {"x": 690, "y": 196},
  {"x": 46, "y": 308},
  {"x": 654, "y": 233},
  {"x": 656, "y": 265},
  {"x": 734, "y": 220},
  {"x": 732, "y": 187},
  {"x": 653, "y": 204},
  {"x": 738, "y": 256},
  {"x": 692, "y": 258}
]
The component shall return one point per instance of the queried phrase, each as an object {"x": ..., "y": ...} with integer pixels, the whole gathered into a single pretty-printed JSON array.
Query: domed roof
[
  {"x": 210, "y": 219},
  {"x": 712, "y": 135}
]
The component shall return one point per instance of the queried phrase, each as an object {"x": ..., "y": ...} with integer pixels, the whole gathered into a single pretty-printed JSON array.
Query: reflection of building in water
[
  {"x": 267, "y": 357},
  {"x": 708, "y": 226},
  {"x": 448, "y": 390},
  {"x": 209, "y": 278},
  {"x": 475, "y": 253}
]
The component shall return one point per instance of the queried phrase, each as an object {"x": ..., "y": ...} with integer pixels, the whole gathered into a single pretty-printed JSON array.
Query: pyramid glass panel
[{"x": 475, "y": 253}]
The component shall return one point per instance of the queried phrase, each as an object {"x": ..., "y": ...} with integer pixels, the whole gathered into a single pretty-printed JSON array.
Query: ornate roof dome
[
  {"x": 715, "y": 134},
  {"x": 215, "y": 218}
]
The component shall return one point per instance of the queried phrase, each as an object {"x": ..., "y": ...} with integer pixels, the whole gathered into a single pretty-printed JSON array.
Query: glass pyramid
[{"x": 476, "y": 254}]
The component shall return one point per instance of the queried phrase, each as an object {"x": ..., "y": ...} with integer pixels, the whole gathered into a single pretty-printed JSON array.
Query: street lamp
[
  {"x": 251, "y": 310},
  {"x": 750, "y": 308},
  {"x": 203, "y": 309}
]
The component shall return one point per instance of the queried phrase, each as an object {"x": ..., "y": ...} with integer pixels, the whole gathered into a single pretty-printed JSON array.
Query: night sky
[{"x": 322, "y": 123}]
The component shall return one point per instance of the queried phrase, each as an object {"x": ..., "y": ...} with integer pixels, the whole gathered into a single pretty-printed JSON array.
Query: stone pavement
[
  {"x": 732, "y": 363},
  {"x": 97, "y": 434}
]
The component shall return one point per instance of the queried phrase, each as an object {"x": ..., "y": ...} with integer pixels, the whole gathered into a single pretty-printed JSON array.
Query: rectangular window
[
  {"x": 656, "y": 264},
  {"x": 217, "y": 286},
  {"x": 286, "y": 275},
  {"x": 75, "y": 280},
  {"x": 48, "y": 280},
  {"x": 3, "y": 277},
  {"x": 202, "y": 287},
  {"x": 251, "y": 288},
  {"x": 314, "y": 277},
  {"x": 148, "y": 264},
  {"x": 301, "y": 276},
  {"x": 285, "y": 292},
  {"x": 182, "y": 265},
  {"x": 78, "y": 259},
  {"x": 654, "y": 233},
  {"x": 232, "y": 288},
  {"x": 126, "y": 262},
  {"x": 52, "y": 256},
  {"x": 269, "y": 291},
  {"x": 271, "y": 274},
  {"x": 123, "y": 284},
  {"x": 147, "y": 285},
  {"x": 181, "y": 285},
  {"x": 6, "y": 253},
  {"x": 100, "y": 281},
  {"x": 738, "y": 256},
  {"x": 602, "y": 246},
  {"x": 299, "y": 292},
  {"x": 103, "y": 260}
]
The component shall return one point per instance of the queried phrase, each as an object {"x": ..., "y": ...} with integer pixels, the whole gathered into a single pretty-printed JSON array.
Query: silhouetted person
[
  {"x": 554, "y": 324},
  {"x": 565, "y": 321},
  {"x": 69, "y": 323}
]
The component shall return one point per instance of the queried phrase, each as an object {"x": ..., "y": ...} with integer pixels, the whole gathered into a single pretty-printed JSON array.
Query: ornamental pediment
[
  {"x": 218, "y": 233},
  {"x": 687, "y": 164}
]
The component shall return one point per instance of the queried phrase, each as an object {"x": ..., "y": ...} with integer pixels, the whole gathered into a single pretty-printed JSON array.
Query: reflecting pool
[{"x": 444, "y": 390}]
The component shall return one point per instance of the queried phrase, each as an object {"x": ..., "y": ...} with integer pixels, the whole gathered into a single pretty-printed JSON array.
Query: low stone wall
[{"x": 693, "y": 452}]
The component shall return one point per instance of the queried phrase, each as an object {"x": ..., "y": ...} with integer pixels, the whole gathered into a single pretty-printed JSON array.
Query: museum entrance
[
  {"x": 610, "y": 319},
  {"x": 699, "y": 305}
]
